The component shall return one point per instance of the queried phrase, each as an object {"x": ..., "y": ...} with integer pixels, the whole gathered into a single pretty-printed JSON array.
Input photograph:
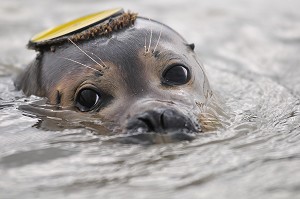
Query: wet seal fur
[{"x": 146, "y": 81}]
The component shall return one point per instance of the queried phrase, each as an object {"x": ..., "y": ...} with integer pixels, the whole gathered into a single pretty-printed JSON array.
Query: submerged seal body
[{"x": 140, "y": 79}]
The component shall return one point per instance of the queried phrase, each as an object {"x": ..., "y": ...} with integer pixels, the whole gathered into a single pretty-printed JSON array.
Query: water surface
[{"x": 250, "y": 50}]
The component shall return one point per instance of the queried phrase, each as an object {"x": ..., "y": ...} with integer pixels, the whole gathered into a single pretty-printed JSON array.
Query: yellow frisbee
[{"x": 75, "y": 25}]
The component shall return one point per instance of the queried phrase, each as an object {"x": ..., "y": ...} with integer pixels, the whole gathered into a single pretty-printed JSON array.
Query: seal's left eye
[
  {"x": 176, "y": 75},
  {"x": 87, "y": 99}
]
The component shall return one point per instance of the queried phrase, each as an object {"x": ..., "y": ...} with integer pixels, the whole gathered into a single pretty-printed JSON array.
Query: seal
[{"x": 133, "y": 75}]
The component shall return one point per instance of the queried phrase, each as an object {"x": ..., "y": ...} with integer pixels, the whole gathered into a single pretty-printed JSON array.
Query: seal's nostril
[{"x": 148, "y": 122}]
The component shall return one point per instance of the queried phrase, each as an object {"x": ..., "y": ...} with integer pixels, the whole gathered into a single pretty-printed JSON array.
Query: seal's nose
[{"x": 161, "y": 120}]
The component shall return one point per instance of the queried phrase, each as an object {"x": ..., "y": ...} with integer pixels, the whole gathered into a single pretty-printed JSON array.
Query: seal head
[{"x": 139, "y": 78}]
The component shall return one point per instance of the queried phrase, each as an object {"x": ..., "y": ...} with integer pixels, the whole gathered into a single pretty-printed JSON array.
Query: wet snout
[
  {"x": 159, "y": 125},
  {"x": 160, "y": 121}
]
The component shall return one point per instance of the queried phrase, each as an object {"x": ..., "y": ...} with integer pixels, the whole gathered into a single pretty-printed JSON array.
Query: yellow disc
[{"x": 75, "y": 25}]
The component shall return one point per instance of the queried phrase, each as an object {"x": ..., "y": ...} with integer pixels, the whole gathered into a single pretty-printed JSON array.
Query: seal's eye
[
  {"x": 87, "y": 99},
  {"x": 176, "y": 75}
]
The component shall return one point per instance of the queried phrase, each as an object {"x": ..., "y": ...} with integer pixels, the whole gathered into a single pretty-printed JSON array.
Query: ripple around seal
[{"x": 32, "y": 157}]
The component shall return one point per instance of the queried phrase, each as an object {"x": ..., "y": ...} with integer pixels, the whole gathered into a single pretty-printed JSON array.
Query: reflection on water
[{"x": 251, "y": 53}]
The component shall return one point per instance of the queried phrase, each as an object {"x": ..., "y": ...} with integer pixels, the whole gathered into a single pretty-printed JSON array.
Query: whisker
[
  {"x": 209, "y": 114},
  {"x": 209, "y": 117},
  {"x": 98, "y": 58},
  {"x": 157, "y": 40},
  {"x": 150, "y": 40},
  {"x": 204, "y": 74},
  {"x": 80, "y": 64},
  {"x": 84, "y": 52},
  {"x": 208, "y": 127},
  {"x": 145, "y": 46},
  {"x": 211, "y": 122}
]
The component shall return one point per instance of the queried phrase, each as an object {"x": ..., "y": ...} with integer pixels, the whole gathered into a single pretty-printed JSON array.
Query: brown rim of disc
[{"x": 101, "y": 27}]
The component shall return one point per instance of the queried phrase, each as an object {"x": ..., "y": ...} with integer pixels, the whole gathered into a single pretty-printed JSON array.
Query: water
[{"x": 251, "y": 53}]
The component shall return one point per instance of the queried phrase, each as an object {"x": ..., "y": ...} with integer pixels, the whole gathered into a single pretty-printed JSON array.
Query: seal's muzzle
[
  {"x": 160, "y": 121},
  {"x": 159, "y": 126}
]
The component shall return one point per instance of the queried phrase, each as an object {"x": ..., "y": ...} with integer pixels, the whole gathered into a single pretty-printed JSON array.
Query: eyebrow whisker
[
  {"x": 145, "y": 46},
  {"x": 150, "y": 39},
  {"x": 84, "y": 52},
  {"x": 157, "y": 40},
  {"x": 98, "y": 58},
  {"x": 77, "y": 62}
]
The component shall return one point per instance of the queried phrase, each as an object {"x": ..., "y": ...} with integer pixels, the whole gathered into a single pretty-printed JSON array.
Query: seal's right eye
[{"x": 87, "y": 100}]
